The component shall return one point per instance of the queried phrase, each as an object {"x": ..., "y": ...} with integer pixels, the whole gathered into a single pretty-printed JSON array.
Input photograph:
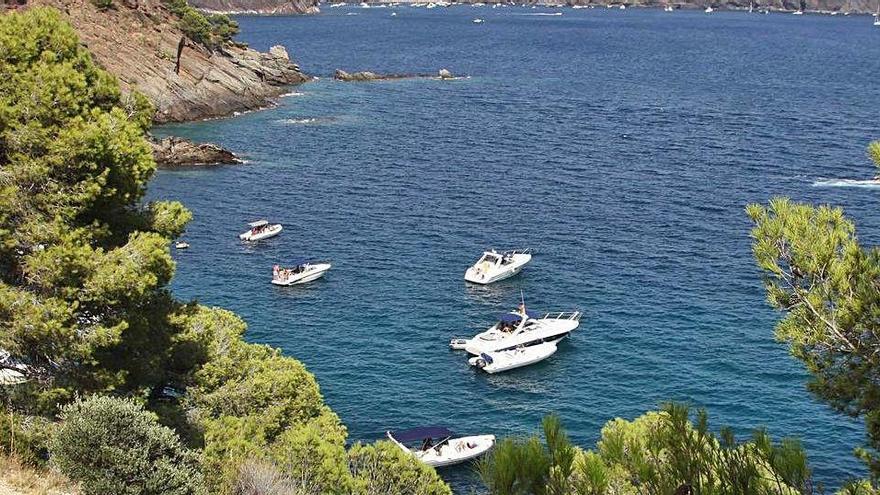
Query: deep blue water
[{"x": 621, "y": 145}]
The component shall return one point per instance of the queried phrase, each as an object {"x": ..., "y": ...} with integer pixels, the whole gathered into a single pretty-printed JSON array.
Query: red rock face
[
  {"x": 258, "y": 6},
  {"x": 137, "y": 40}
]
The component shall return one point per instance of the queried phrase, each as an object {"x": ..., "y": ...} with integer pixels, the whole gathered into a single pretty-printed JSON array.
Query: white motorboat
[
  {"x": 435, "y": 445},
  {"x": 478, "y": 21},
  {"x": 518, "y": 329},
  {"x": 181, "y": 245},
  {"x": 260, "y": 230},
  {"x": 668, "y": 8},
  {"x": 496, "y": 362},
  {"x": 494, "y": 266},
  {"x": 798, "y": 12},
  {"x": 301, "y": 271},
  {"x": 709, "y": 10}
]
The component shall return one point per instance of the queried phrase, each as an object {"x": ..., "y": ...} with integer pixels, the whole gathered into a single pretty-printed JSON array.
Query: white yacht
[
  {"x": 181, "y": 245},
  {"x": 302, "y": 271},
  {"x": 260, "y": 230},
  {"x": 435, "y": 445},
  {"x": 494, "y": 266},
  {"x": 519, "y": 329},
  {"x": 496, "y": 362}
]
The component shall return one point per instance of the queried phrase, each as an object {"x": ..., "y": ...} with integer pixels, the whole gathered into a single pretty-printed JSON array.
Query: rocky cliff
[
  {"x": 139, "y": 42},
  {"x": 825, "y": 6},
  {"x": 258, "y": 6}
]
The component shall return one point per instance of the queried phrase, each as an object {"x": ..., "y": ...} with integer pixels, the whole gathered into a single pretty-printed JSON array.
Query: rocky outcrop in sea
[
  {"x": 341, "y": 75},
  {"x": 179, "y": 152},
  {"x": 138, "y": 41}
]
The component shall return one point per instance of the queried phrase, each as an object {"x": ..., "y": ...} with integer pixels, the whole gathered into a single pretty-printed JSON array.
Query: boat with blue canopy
[
  {"x": 438, "y": 446},
  {"x": 518, "y": 329}
]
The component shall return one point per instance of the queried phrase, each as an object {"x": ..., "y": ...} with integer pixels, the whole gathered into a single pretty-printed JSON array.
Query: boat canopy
[
  {"x": 259, "y": 223},
  {"x": 515, "y": 317},
  {"x": 299, "y": 262},
  {"x": 421, "y": 433}
]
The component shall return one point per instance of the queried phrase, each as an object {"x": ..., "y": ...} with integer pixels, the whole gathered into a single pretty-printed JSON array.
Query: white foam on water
[
  {"x": 866, "y": 184},
  {"x": 544, "y": 14},
  {"x": 292, "y": 93},
  {"x": 310, "y": 120}
]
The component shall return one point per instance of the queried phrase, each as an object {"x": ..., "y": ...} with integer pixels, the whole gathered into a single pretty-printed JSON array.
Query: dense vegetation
[
  {"x": 658, "y": 453},
  {"x": 129, "y": 390},
  {"x": 213, "y": 31}
]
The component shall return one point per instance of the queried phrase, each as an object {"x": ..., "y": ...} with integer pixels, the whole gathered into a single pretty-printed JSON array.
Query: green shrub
[
  {"x": 102, "y": 4},
  {"x": 112, "y": 445},
  {"x": 25, "y": 437}
]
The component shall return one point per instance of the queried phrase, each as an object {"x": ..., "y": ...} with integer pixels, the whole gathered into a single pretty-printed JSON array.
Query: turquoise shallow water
[{"x": 621, "y": 145}]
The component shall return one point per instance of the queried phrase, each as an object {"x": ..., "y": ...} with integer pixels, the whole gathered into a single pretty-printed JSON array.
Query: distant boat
[
  {"x": 877, "y": 16},
  {"x": 182, "y": 245},
  {"x": 798, "y": 12},
  {"x": 709, "y": 10},
  {"x": 478, "y": 21},
  {"x": 394, "y": 14},
  {"x": 338, "y": 4},
  {"x": 751, "y": 7},
  {"x": 668, "y": 8},
  {"x": 623, "y": 7}
]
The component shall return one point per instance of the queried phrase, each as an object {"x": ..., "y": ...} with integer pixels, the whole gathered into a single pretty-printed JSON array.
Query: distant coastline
[{"x": 821, "y": 7}]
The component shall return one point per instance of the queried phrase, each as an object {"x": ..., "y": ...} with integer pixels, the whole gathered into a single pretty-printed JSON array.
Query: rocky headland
[
  {"x": 142, "y": 44},
  {"x": 270, "y": 7},
  {"x": 364, "y": 76}
]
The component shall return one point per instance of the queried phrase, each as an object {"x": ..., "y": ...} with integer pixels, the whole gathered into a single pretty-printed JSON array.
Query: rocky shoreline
[
  {"x": 142, "y": 44},
  {"x": 826, "y": 7},
  {"x": 364, "y": 76}
]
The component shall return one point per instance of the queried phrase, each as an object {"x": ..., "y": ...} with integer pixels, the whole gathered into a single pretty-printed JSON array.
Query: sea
[{"x": 622, "y": 146}]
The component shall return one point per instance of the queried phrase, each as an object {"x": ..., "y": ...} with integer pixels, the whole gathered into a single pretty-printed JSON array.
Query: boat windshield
[{"x": 491, "y": 258}]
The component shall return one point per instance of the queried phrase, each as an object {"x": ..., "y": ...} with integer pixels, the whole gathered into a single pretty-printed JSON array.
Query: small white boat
[
  {"x": 337, "y": 4},
  {"x": 519, "y": 328},
  {"x": 435, "y": 445},
  {"x": 877, "y": 22},
  {"x": 431, "y": 5},
  {"x": 668, "y": 8},
  {"x": 300, "y": 272},
  {"x": 622, "y": 7},
  {"x": 260, "y": 230},
  {"x": 181, "y": 245},
  {"x": 494, "y": 266},
  {"x": 394, "y": 14},
  {"x": 709, "y": 10},
  {"x": 478, "y": 21},
  {"x": 364, "y": 5},
  {"x": 496, "y": 362},
  {"x": 798, "y": 12}
]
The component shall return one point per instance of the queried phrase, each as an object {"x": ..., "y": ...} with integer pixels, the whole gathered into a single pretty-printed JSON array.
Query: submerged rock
[{"x": 175, "y": 152}]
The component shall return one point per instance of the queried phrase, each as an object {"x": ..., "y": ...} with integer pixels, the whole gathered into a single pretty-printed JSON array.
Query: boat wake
[
  {"x": 866, "y": 184},
  {"x": 292, "y": 93}
]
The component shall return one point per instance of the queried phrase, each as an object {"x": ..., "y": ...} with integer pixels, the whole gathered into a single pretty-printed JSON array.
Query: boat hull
[
  {"x": 551, "y": 329},
  {"x": 513, "y": 359},
  {"x": 455, "y": 452}
]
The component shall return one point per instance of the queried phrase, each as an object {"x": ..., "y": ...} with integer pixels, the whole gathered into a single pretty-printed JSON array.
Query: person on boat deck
[
  {"x": 275, "y": 270},
  {"x": 427, "y": 444}
]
